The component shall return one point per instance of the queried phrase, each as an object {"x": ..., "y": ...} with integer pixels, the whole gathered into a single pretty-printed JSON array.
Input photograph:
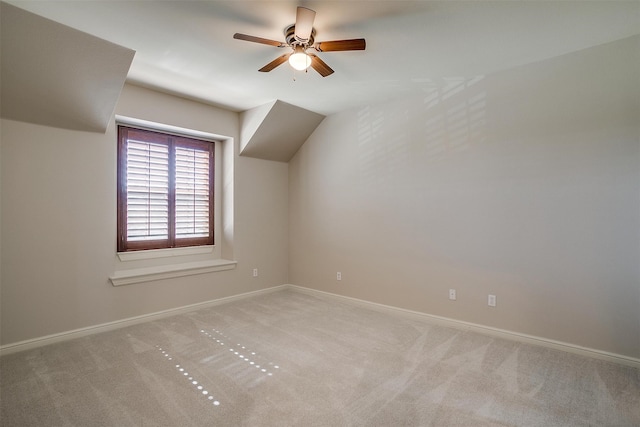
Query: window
[{"x": 165, "y": 190}]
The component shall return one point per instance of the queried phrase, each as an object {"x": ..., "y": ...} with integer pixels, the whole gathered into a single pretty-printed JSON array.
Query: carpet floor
[{"x": 292, "y": 359}]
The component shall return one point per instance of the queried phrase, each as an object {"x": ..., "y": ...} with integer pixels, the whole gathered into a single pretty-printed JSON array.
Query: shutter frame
[{"x": 174, "y": 143}]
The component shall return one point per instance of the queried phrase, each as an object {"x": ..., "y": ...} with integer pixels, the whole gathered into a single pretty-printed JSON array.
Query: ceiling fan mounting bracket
[{"x": 291, "y": 39}]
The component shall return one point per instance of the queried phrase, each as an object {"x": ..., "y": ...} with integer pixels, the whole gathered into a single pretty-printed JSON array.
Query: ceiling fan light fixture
[
  {"x": 299, "y": 59},
  {"x": 300, "y": 37}
]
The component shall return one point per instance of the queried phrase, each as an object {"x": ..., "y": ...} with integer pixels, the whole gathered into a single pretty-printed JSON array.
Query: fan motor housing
[{"x": 290, "y": 36}]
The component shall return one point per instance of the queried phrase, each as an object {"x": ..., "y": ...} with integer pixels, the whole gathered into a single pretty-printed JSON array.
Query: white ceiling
[{"x": 186, "y": 47}]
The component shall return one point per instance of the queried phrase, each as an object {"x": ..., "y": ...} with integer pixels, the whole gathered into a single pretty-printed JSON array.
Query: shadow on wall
[
  {"x": 453, "y": 115},
  {"x": 529, "y": 103}
]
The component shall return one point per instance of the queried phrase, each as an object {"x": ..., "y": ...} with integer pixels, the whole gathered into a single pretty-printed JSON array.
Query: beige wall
[
  {"x": 58, "y": 196},
  {"x": 524, "y": 183}
]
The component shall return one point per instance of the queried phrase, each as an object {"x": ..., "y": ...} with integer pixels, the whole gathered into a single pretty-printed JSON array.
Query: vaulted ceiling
[{"x": 187, "y": 47}]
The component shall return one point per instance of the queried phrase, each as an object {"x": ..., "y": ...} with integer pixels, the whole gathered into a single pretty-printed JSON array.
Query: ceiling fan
[{"x": 300, "y": 38}]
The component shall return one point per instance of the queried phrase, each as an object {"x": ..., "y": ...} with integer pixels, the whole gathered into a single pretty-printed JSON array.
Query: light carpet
[{"x": 291, "y": 359}]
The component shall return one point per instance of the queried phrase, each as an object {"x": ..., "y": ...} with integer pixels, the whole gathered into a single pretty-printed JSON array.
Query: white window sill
[{"x": 139, "y": 275}]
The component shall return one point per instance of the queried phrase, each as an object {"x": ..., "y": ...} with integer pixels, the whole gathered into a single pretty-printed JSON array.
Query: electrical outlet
[
  {"x": 491, "y": 301},
  {"x": 452, "y": 294},
  {"x": 255, "y": 272},
  {"x": 338, "y": 276}
]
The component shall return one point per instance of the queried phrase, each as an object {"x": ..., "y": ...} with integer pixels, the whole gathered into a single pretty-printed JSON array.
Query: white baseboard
[
  {"x": 444, "y": 321},
  {"x": 486, "y": 330},
  {"x": 110, "y": 326}
]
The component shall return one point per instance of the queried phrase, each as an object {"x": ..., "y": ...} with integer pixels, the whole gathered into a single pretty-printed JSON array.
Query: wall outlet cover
[{"x": 491, "y": 301}]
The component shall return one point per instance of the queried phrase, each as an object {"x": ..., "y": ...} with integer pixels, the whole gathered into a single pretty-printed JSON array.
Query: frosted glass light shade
[{"x": 299, "y": 60}]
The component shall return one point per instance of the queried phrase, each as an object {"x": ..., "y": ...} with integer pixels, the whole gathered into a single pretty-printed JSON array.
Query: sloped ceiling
[
  {"x": 187, "y": 47},
  {"x": 58, "y": 76},
  {"x": 275, "y": 131},
  {"x": 71, "y": 76}
]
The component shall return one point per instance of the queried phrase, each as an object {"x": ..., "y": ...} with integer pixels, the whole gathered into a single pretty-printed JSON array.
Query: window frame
[{"x": 172, "y": 141}]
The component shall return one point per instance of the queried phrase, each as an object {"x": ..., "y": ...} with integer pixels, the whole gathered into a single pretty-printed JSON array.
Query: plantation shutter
[
  {"x": 147, "y": 191},
  {"x": 192, "y": 192},
  {"x": 165, "y": 190}
]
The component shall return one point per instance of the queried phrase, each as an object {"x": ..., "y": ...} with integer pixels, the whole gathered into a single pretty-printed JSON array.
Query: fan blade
[
  {"x": 273, "y": 64},
  {"x": 258, "y": 40},
  {"x": 338, "y": 45},
  {"x": 304, "y": 23},
  {"x": 320, "y": 66}
]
